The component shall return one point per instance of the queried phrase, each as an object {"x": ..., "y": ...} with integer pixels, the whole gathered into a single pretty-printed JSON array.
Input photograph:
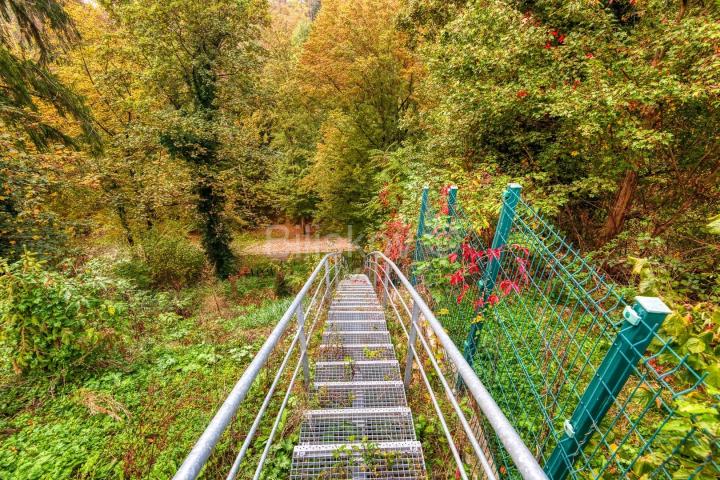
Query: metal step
[
  {"x": 333, "y": 316},
  {"x": 360, "y": 394},
  {"x": 380, "y": 461},
  {"x": 356, "y": 308},
  {"x": 367, "y": 351},
  {"x": 349, "y": 338},
  {"x": 355, "y": 325},
  {"x": 392, "y": 424},
  {"x": 343, "y": 371}
]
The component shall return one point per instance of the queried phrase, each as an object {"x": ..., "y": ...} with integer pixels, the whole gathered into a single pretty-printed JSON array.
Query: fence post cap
[
  {"x": 514, "y": 186},
  {"x": 652, "y": 305}
]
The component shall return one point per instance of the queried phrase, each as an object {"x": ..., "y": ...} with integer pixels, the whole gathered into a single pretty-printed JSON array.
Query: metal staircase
[
  {"x": 361, "y": 426},
  {"x": 358, "y": 425}
]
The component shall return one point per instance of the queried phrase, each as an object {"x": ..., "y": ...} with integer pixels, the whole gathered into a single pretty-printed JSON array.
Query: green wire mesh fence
[{"x": 584, "y": 376}]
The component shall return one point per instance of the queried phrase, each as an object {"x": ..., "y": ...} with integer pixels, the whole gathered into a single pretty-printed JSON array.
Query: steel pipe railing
[
  {"x": 198, "y": 456},
  {"x": 524, "y": 461}
]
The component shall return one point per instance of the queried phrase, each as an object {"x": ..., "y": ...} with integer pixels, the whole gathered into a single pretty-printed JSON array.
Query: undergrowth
[{"x": 137, "y": 414}]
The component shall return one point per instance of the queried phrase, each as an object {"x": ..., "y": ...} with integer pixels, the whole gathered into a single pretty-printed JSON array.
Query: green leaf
[{"x": 695, "y": 345}]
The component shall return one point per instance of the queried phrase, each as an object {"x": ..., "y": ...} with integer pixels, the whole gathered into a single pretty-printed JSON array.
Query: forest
[{"x": 145, "y": 144}]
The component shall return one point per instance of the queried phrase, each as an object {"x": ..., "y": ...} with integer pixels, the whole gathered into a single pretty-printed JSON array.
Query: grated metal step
[
  {"x": 381, "y": 461},
  {"x": 362, "y": 371},
  {"x": 360, "y": 394},
  {"x": 355, "y": 325},
  {"x": 355, "y": 308},
  {"x": 336, "y": 316},
  {"x": 392, "y": 424},
  {"x": 349, "y": 338},
  {"x": 367, "y": 351}
]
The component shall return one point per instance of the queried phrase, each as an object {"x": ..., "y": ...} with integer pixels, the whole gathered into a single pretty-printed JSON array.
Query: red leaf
[
  {"x": 462, "y": 294},
  {"x": 493, "y": 299},
  {"x": 521, "y": 248},
  {"x": 457, "y": 278},
  {"x": 479, "y": 304},
  {"x": 522, "y": 93},
  {"x": 453, "y": 257},
  {"x": 494, "y": 253},
  {"x": 507, "y": 286}
]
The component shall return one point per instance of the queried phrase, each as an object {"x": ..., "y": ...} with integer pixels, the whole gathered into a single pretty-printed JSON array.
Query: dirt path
[{"x": 300, "y": 244}]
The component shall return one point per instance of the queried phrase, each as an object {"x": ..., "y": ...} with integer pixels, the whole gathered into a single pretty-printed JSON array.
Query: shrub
[
  {"x": 49, "y": 321},
  {"x": 172, "y": 260},
  {"x": 136, "y": 271}
]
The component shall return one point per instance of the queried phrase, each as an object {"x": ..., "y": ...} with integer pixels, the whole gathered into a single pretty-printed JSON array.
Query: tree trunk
[
  {"x": 216, "y": 236},
  {"x": 620, "y": 208}
]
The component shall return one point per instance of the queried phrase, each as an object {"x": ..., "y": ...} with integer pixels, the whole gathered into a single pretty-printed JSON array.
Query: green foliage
[
  {"x": 52, "y": 322},
  {"x": 138, "y": 418},
  {"x": 27, "y": 219},
  {"x": 197, "y": 121},
  {"x": 693, "y": 329},
  {"x": 170, "y": 260},
  {"x": 28, "y": 84},
  {"x": 135, "y": 270}
]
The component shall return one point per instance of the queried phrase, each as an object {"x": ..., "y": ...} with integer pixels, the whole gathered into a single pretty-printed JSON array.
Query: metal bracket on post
[
  {"x": 303, "y": 344},
  {"x": 420, "y": 230},
  {"x": 632, "y": 340},
  {"x": 511, "y": 197},
  {"x": 411, "y": 344}
]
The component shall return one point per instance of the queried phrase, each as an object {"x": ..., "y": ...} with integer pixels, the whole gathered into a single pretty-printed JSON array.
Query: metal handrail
[
  {"x": 527, "y": 465},
  {"x": 198, "y": 456}
]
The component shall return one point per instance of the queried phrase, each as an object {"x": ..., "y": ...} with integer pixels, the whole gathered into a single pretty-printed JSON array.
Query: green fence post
[
  {"x": 420, "y": 230},
  {"x": 642, "y": 320},
  {"x": 452, "y": 199},
  {"x": 511, "y": 197}
]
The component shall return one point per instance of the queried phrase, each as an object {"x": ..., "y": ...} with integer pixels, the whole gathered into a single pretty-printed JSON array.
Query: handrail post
[
  {"x": 336, "y": 259},
  {"x": 327, "y": 280},
  {"x": 511, "y": 197},
  {"x": 386, "y": 285},
  {"x": 303, "y": 344},
  {"x": 411, "y": 344},
  {"x": 420, "y": 231},
  {"x": 642, "y": 320}
]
